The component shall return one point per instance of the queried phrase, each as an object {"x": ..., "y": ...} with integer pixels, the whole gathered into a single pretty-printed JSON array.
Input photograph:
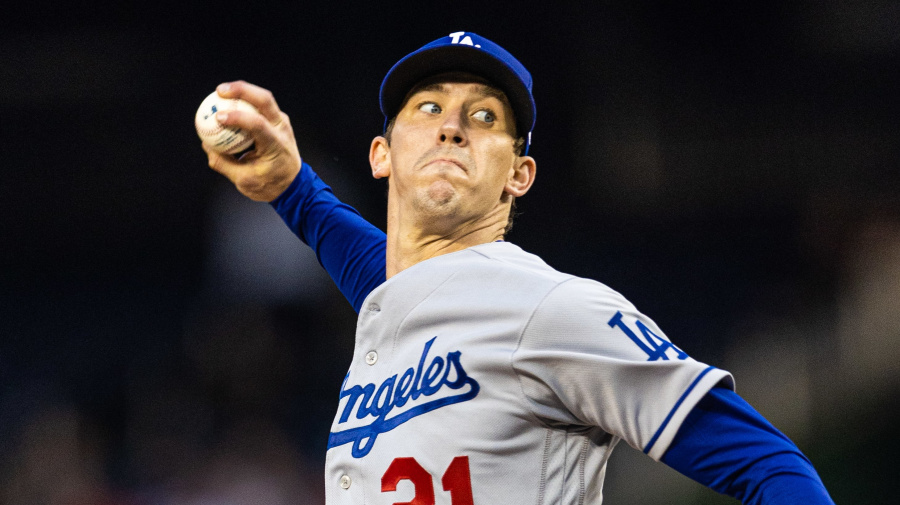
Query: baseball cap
[{"x": 466, "y": 52}]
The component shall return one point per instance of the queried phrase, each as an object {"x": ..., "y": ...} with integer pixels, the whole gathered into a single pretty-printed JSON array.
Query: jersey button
[
  {"x": 371, "y": 357},
  {"x": 345, "y": 482}
]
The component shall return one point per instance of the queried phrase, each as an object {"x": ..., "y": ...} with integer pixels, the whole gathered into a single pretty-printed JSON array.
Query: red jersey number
[{"x": 457, "y": 480}]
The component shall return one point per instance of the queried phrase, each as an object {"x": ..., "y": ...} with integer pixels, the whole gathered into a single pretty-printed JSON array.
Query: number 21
[{"x": 456, "y": 479}]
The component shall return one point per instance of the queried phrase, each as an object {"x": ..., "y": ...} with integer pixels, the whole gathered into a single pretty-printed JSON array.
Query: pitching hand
[{"x": 263, "y": 173}]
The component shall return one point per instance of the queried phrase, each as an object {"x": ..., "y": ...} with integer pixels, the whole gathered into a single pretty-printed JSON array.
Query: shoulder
[
  {"x": 563, "y": 288},
  {"x": 510, "y": 257},
  {"x": 564, "y": 297},
  {"x": 567, "y": 288}
]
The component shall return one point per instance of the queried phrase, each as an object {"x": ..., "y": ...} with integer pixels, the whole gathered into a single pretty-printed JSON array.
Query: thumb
[{"x": 222, "y": 163}]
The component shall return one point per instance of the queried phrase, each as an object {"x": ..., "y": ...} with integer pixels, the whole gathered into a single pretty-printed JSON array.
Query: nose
[{"x": 453, "y": 129}]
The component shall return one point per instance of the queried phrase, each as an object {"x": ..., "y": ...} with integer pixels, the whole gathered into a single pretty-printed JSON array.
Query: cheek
[
  {"x": 403, "y": 146},
  {"x": 499, "y": 157}
]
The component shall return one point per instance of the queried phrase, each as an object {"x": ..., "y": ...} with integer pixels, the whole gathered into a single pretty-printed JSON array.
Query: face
[{"x": 451, "y": 159}]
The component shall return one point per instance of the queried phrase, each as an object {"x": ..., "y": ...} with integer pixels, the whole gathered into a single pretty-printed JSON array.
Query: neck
[{"x": 409, "y": 243}]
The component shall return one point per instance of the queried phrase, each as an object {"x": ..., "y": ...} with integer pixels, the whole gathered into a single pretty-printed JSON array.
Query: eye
[
  {"x": 485, "y": 116},
  {"x": 430, "y": 108}
]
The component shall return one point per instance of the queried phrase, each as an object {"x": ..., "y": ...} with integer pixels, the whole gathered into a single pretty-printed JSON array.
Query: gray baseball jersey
[{"x": 485, "y": 376}]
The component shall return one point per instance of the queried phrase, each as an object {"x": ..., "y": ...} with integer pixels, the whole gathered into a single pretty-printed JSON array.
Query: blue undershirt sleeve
[
  {"x": 728, "y": 446},
  {"x": 350, "y": 248}
]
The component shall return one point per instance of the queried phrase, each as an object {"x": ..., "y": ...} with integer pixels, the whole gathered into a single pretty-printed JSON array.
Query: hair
[{"x": 518, "y": 145}]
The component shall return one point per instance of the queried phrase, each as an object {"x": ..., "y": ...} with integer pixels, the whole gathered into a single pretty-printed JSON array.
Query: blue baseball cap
[{"x": 463, "y": 52}]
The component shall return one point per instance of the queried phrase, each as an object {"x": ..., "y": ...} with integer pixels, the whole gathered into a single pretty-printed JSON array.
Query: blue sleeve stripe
[{"x": 675, "y": 408}]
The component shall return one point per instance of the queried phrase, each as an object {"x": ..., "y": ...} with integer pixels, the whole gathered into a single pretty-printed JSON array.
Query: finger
[
  {"x": 261, "y": 98},
  {"x": 255, "y": 125}
]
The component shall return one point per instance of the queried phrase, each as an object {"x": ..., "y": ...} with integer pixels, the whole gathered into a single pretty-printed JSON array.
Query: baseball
[{"x": 222, "y": 139}]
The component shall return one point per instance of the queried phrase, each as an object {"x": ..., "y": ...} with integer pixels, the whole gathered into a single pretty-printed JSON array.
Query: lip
[{"x": 451, "y": 161}]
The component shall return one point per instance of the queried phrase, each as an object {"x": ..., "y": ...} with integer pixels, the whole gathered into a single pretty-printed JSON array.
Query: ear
[
  {"x": 521, "y": 176},
  {"x": 380, "y": 157}
]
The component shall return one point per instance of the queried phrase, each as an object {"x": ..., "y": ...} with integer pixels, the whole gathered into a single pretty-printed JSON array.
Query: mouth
[{"x": 448, "y": 162}]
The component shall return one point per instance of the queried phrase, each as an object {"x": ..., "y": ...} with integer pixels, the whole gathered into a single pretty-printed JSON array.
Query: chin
[
  {"x": 439, "y": 198},
  {"x": 442, "y": 192}
]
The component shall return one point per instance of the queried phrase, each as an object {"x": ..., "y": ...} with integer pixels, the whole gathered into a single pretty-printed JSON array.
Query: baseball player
[{"x": 480, "y": 374}]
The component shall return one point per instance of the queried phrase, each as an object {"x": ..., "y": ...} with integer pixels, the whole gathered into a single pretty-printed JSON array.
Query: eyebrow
[{"x": 483, "y": 89}]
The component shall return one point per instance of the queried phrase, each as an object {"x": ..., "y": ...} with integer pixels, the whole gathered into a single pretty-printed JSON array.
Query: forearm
[
  {"x": 350, "y": 248},
  {"x": 728, "y": 446}
]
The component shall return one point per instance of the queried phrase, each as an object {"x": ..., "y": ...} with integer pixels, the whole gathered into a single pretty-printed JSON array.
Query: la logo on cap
[{"x": 454, "y": 39}]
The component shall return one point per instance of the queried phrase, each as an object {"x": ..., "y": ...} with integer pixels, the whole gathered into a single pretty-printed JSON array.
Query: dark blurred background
[{"x": 731, "y": 167}]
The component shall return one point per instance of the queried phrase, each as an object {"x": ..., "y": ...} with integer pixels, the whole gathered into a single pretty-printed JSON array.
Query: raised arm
[{"x": 350, "y": 249}]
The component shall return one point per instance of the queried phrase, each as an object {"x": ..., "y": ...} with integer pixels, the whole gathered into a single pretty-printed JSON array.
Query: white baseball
[{"x": 222, "y": 139}]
